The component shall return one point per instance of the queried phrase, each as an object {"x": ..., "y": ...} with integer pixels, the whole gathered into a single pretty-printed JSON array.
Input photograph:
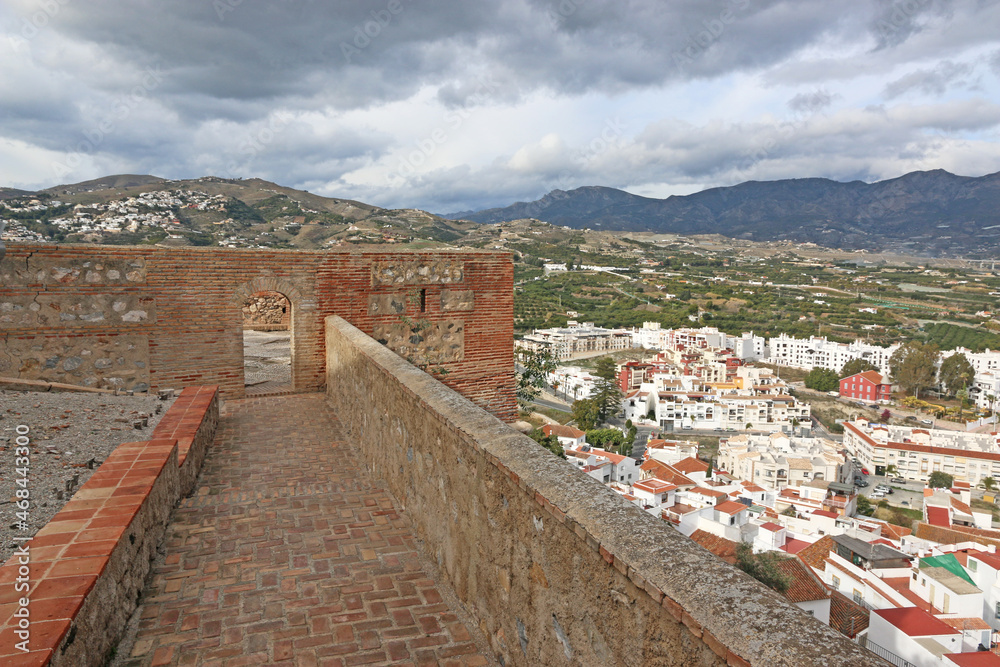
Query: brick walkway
[{"x": 289, "y": 554}]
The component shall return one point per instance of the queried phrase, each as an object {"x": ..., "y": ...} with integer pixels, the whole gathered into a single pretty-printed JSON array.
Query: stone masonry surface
[
  {"x": 555, "y": 568},
  {"x": 288, "y": 553},
  {"x": 138, "y": 317}
]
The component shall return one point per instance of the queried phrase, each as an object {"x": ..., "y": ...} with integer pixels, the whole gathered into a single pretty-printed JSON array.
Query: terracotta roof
[
  {"x": 804, "y": 586},
  {"x": 653, "y": 485},
  {"x": 720, "y": 546},
  {"x": 614, "y": 458},
  {"x": 712, "y": 493},
  {"x": 771, "y": 527},
  {"x": 938, "y": 516},
  {"x": 991, "y": 560},
  {"x": 662, "y": 471},
  {"x": 846, "y": 616},
  {"x": 815, "y": 554},
  {"x": 826, "y": 513},
  {"x": 872, "y": 376},
  {"x": 971, "y": 623},
  {"x": 793, "y": 546},
  {"x": 975, "y": 659},
  {"x": 729, "y": 507},
  {"x": 959, "y": 506},
  {"x": 559, "y": 430},
  {"x": 894, "y": 532},
  {"x": 691, "y": 465},
  {"x": 753, "y": 488},
  {"x": 915, "y": 622}
]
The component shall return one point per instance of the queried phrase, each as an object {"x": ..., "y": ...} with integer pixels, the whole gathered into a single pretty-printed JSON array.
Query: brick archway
[{"x": 280, "y": 287}]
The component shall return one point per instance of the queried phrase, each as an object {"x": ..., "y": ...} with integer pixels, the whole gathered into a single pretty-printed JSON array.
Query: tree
[
  {"x": 585, "y": 413},
  {"x": 549, "y": 442},
  {"x": 956, "y": 373},
  {"x": 607, "y": 393},
  {"x": 605, "y": 438},
  {"x": 884, "y": 417},
  {"x": 914, "y": 366},
  {"x": 865, "y": 506},
  {"x": 989, "y": 483},
  {"x": 855, "y": 366},
  {"x": 822, "y": 379},
  {"x": 789, "y": 511},
  {"x": 535, "y": 365},
  {"x": 940, "y": 480},
  {"x": 763, "y": 567}
]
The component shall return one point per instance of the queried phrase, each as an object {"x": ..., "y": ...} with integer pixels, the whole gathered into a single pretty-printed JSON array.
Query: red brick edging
[{"x": 82, "y": 572}]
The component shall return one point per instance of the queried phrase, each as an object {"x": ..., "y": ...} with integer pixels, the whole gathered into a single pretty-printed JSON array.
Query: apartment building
[
  {"x": 576, "y": 339},
  {"x": 818, "y": 352},
  {"x": 917, "y": 452}
]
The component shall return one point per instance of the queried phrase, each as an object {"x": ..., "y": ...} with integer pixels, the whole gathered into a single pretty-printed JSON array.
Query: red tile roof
[
  {"x": 915, "y": 622},
  {"x": 991, "y": 560},
  {"x": 974, "y": 659},
  {"x": 712, "y": 493},
  {"x": 815, "y": 554},
  {"x": 559, "y": 430},
  {"x": 653, "y": 485},
  {"x": 938, "y": 516},
  {"x": 691, "y": 465},
  {"x": 828, "y": 514},
  {"x": 846, "y": 616},
  {"x": 971, "y": 623},
  {"x": 662, "y": 471},
  {"x": 804, "y": 586},
  {"x": 720, "y": 546},
  {"x": 793, "y": 546},
  {"x": 730, "y": 507},
  {"x": 772, "y": 527}
]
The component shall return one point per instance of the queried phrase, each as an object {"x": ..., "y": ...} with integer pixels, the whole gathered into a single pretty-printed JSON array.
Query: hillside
[
  {"x": 932, "y": 212},
  {"x": 133, "y": 209}
]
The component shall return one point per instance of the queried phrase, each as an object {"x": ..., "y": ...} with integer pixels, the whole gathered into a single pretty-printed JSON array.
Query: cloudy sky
[{"x": 449, "y": 105}]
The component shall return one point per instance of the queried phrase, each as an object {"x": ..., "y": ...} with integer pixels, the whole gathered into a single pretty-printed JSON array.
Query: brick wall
[
  {"x": 146, "y": 317},
  {"x": 555, "y": 568}
]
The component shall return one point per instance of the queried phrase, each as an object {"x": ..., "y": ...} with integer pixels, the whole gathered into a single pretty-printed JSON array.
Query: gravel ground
[
  {"x": 70, "y": 436},
  {"x": 267, "y": 358}
]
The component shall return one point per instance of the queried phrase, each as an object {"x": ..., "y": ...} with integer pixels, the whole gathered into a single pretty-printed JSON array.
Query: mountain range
[{"x": 933, "y": 212}]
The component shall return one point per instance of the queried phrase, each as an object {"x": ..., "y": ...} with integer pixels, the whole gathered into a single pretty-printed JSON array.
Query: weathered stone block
[
  {"x": 424, "y": 342},
  {"x": 387, "y": 304},
  {"x": 452, "y": 300},
  {"x": 425, "y": 272},
  {"x": 36, "y": 270},
  {"x": 52, "y": 309},
  {"x": 92, "y": 361}
]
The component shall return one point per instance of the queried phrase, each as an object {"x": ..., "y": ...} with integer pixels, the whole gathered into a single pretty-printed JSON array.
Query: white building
[
  {"x": 913, "y": 635},
  {"x": 917, "y": 452},
  {"x": 816, "y": 352},
  {"x": 575, "y": 339},
  {"x": 777, "y": 460}
]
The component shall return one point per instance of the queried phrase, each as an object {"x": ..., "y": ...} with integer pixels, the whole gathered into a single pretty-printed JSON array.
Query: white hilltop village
[{"x": 911, "y": 593}]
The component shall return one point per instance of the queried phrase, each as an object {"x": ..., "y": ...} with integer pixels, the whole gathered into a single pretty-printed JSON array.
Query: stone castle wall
[
  {"x": 554, "y": 568},
  {"x": 146, "y": 317},
  {"x": 267, "y": 311}
]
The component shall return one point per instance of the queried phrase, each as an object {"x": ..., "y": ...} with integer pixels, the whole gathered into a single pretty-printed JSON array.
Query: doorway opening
[{"x": 267, "y": 349}]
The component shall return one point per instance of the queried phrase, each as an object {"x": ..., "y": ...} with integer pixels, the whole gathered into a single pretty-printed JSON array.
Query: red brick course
[{"x": 288, "y": 553}]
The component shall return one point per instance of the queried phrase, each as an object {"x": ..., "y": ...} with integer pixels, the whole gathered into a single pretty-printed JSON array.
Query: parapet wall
[
  {"x": 145, "y": 317},
  {"x": 554, "y": 567}
]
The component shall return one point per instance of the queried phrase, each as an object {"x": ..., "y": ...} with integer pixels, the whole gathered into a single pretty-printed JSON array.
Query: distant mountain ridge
[{"x": 929, "y": 211}]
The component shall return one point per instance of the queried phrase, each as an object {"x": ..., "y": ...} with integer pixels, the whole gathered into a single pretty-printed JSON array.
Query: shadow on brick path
[{"x": 289, "y": 554}]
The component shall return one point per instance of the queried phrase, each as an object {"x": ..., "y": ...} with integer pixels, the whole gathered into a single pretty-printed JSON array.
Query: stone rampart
[{"x": 555, "y": 568}]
